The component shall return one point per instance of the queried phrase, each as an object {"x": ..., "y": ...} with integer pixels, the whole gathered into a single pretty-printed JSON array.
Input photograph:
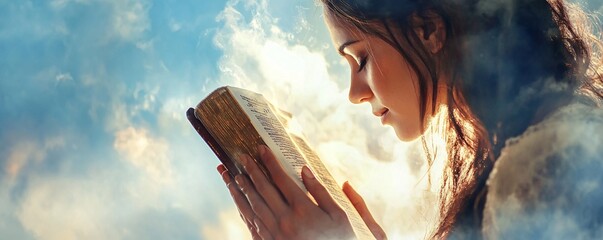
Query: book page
[
  {"x": 293, "y": 152},
  {"x": 272, "y": 131},
  {"x": 324, "y": 176}
]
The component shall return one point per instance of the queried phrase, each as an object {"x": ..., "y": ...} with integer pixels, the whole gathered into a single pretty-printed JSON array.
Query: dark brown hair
[{"x": 495, "y": 51}]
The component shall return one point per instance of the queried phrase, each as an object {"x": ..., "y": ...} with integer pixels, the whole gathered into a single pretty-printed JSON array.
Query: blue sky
[
  {"x": 94, "y": 141},
  {"x": 93, "y": 93}
]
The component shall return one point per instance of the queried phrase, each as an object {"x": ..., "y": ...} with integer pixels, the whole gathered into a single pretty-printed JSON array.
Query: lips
[
  {"x": 384, "y": 117},
  {"x": 381, "y": 112}
]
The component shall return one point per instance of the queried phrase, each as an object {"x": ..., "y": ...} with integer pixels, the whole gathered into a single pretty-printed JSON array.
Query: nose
[{"x": 360, "y": 91}]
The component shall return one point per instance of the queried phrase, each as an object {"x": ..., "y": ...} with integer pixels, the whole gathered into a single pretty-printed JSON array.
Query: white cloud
[
  {"x": 130, "y": 18},
  {"x": 551, "y": 189},
  {"x": 145, "y": 45},
  {"x": 149, "y": 154},
  {"x": 146, "y": 95},
  {"x": 27, "y": 151},
  {"x": 106, "y": 199},
  {"x": 105, "y": 202},
  {"x": 260, "y": 56},
  {"x": 229, "y": 226},
  {"x": 172, "y": 112},
  {"x": 61, "y": 208},
  {"x": 174, "y": 25},
  {"x": 20, "y": 155},
  {"x": 119, "y": 116},
  {"x": 60, "y": 4},
  {"x": 63, "y": 77}
]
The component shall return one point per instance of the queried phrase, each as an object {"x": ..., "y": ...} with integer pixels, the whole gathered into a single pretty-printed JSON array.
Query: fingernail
[
  {"x": 224, "y": 175},
  {"x": 349, "y": 186},
  {"x": 306, "y": 171}
]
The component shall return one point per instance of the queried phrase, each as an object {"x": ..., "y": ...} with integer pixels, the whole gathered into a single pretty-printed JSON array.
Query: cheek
[
  {"x": 397, "y": 87},
  {"x": 406, "y": 116},
  {"x": 406, "y": 105},
  {"x": 397, "y": 84}
]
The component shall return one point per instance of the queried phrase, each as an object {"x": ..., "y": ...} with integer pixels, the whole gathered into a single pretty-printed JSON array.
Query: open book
[{"x": 234, "y": 121}]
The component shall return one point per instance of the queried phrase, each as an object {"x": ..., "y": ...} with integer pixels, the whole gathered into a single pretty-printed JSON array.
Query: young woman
[{"x": 515, "y": 82}]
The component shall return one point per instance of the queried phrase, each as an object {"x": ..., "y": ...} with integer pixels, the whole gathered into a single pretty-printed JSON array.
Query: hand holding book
[
  {"x": 234, "y": 122},
  {"x": 287, "y": 212}
]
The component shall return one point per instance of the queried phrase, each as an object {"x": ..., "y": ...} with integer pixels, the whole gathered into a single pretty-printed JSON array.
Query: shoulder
[{"x": 548, "y": 182}]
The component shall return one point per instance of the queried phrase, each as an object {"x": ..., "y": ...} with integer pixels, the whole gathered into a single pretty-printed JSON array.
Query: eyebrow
[{"x": 346, "y": 44}]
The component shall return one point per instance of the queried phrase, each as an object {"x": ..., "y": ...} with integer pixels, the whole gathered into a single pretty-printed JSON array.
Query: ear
[{"x": 430, "y": 29}]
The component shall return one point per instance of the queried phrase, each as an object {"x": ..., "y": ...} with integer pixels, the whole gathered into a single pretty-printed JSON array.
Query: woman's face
[{"x": 381, "y": 77}]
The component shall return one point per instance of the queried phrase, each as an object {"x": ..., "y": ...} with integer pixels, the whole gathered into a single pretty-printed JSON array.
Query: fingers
[
  {"x": 257, "y": 203},
  {"x": 266, "y": 190},
  {"x": 319, "y": 192},
  {"x": 363, "y": 210},
  {"x": 262, "y": 231},
  {"x": 292, "y": 192},
  {"x": 244, "y": 208},
  {"x": 252, "y": 229}
]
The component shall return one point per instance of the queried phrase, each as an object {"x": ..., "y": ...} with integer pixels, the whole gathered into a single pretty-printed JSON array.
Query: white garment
[{"x": 548, "y": 182}]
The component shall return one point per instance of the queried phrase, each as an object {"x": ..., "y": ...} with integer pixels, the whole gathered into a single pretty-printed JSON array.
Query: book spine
[{"x": 212, "y": 143}]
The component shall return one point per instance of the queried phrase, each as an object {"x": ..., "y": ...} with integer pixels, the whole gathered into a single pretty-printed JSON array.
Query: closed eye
[{"x": 362, "y": 64}]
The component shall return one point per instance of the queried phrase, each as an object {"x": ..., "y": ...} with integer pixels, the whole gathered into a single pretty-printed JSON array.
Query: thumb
[{"x": 362, "y": 209}]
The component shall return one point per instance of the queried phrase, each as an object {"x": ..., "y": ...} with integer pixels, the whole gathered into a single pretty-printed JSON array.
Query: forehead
[{"x": 341, "y": 31}]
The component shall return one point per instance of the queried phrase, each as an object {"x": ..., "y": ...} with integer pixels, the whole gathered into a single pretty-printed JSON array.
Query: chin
[{"x": 407, "y": 135}]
